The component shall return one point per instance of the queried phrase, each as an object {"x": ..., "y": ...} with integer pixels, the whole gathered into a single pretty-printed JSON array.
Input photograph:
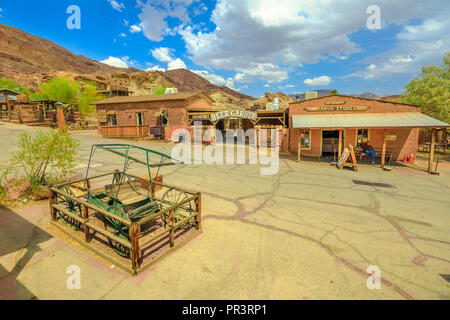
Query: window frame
[
  {"x": 112, "y": 116},
  {"x": 142, "y": 118},
  {"x": 302, "y": 139},
  {"x": 357, "y": 136}
]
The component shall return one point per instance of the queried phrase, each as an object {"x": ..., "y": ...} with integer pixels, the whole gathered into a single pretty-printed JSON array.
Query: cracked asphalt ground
[{"x": 308, "y": 232}]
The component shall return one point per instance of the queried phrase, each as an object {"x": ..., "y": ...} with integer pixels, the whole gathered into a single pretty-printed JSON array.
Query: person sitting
[{"x": 368, "y": 149}]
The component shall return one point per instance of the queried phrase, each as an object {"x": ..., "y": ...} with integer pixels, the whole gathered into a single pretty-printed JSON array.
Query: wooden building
[
  {"x": 321, "y": 125},
  {"x": 133, "y": 116},
  {"x": 7, "y": 99},
  {"x": 117, "y": 87},
  {"x": 136, "y": 117}
]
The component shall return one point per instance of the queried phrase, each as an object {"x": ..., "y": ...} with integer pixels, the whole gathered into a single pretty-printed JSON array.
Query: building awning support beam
[
  {"x": 299, "y": 148},
  {"x": 383, "y": 149},
  {"x": 430, "y": 159}
]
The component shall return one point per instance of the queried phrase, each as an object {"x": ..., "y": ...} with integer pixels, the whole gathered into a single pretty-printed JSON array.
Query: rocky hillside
[{"x": 24, "y": 53}]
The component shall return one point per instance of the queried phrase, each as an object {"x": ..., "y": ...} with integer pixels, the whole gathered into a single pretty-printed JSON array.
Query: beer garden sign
[{"x": 233, "y": 114}]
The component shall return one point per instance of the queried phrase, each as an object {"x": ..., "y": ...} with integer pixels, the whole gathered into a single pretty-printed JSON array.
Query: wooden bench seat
[{"x": 359, "y": 153}]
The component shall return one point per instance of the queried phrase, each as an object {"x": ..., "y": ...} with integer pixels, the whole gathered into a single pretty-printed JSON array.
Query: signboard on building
[
  {"x": 391, "y": 137},
  {"x": 338, "y": 108},
  {"x": 237, "y": 114},
  {"x": 203, "y": 116}
]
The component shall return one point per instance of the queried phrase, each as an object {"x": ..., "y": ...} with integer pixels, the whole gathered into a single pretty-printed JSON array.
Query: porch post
[
  {"x": 383, "y": 150},
  {"x": 433, "y": 141},
  {"x": 299, "y": 148},
  {"x": 340, "y": 144}
]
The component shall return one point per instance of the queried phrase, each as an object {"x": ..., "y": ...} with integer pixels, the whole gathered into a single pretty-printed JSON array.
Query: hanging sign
[{"x": 236, "y": 114}]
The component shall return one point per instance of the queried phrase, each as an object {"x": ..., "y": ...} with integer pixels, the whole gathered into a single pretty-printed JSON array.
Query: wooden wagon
[{"x": 130, "y": 220}]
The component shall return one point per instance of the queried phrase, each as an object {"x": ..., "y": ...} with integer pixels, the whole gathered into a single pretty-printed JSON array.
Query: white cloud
[
  {"x": 116, "y": 5},
  {"x": 156, "y": 68},
  {"x": 115, "y": 62},
  {"x": 401, "y": 59},
  {"x": 319, "y": 81},
  {"x": 230, "y": 84},
  {"x": 211, "y": 77},
  {"x": 419, "y": 43},
  {"x": 267, "y": 85},
  {"x": 273, "y": 37},
  {"x": 122, "y": 35},
  {"x": 176, "y": 64},
  {"x": 135, "y": 28},
  {"x": 155, "y": 12},
  {"x": 162, "y": 54},
  {"x": 126, "y": 22}
]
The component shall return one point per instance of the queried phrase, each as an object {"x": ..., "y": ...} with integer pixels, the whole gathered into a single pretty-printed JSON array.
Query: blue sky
[{"x": 253, "y": 46}]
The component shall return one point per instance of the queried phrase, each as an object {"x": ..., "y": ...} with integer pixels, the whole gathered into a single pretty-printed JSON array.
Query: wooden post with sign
[{"x": 340, "y": 144}]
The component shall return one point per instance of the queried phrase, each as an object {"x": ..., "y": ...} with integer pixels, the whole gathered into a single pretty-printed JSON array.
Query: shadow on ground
[{"x": 20, "y": 238}]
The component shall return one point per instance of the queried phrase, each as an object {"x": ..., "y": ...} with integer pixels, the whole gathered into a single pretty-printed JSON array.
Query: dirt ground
[{"x": 308, "y": 232}]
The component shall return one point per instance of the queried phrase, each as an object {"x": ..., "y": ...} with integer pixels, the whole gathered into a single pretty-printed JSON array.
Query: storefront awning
[{"x": 367, "y": 120}]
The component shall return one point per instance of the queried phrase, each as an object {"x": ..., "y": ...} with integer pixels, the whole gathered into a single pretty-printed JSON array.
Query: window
[
  {"x": 140, "y": 118},
  {"x": 362, "y": 137},
  {"x": 112, "y": 120},
  {"x": 164, "y": 118},
  {"x": 306, "y": 139}
]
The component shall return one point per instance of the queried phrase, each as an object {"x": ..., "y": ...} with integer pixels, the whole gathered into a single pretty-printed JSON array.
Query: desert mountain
[
  {"x": 29, "y": 60},
  {"x": 23, "y": 52}
]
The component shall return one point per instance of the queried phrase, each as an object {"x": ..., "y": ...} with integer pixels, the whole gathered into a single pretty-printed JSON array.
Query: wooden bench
[{"x": 360, "y": 153}]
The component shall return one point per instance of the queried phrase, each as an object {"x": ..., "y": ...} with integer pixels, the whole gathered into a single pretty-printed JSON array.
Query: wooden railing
[
  {"x": 125, "y": 131},
  {"x": 137, "y": 241}
]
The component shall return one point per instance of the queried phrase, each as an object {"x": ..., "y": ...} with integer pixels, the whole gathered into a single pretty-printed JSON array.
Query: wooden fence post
[
  {"x": 87, "y": 233},
  {"x": 198, "y": 203},
  {"x": 135, "y": 252},
  {"x": 172, "y": 231},
  {"x": 51, "y": 202}
]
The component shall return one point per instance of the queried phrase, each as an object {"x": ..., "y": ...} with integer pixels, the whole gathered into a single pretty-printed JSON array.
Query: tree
[
  {"x": 334, "y": 92},
  {"x": 431, "y": 90},
  {"x": 64, "y": 90},
  {"x": 45, "y": 157},
  {"x": 6, "y": 83},
  {"x": 60, "y": 89},
  {"x": 87, "y": 96},
  {"x": 160, "y": 90}
]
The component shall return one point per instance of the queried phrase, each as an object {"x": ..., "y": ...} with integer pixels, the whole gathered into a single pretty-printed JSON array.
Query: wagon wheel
[
  {"x": 120, "y": 230},
  {"x": 173, "y": 197},
  {"x": 72, "y": 206}
]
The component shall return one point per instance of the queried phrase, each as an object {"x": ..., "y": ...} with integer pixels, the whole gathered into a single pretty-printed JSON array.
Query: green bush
[{"x": 45, "y": 157}]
